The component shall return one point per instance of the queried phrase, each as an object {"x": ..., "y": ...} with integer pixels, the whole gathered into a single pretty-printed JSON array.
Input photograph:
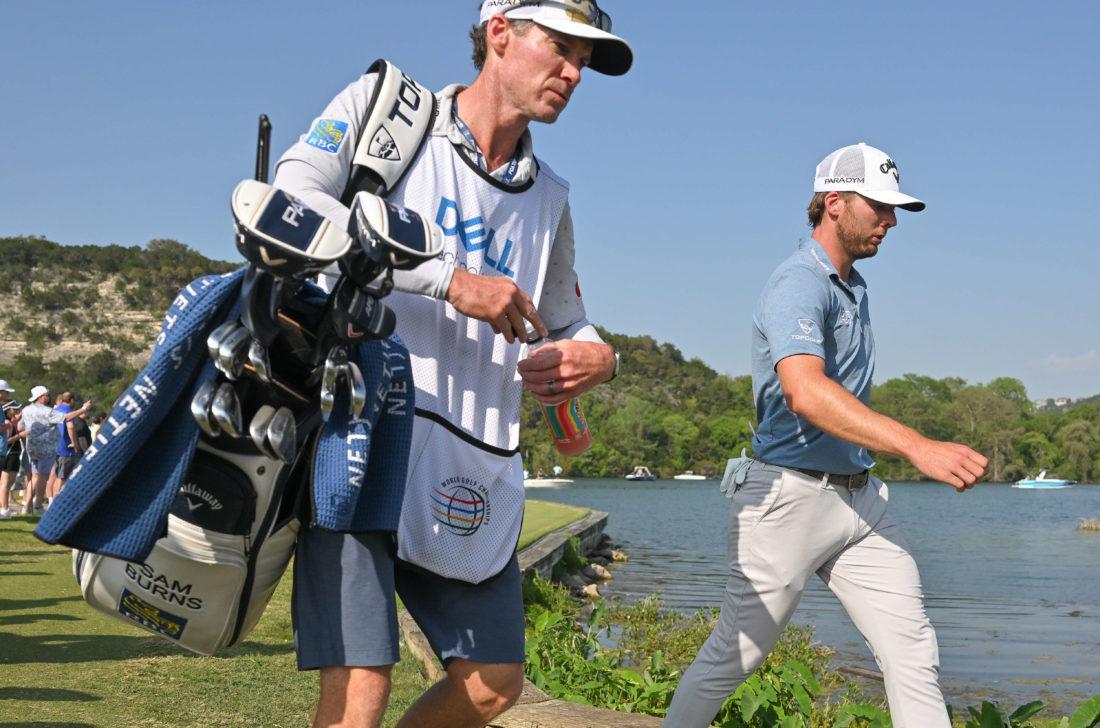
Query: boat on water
[
  {"x": 1044, "y": 482},
  {"x": 689, "y": 475},
  {"x": 640, "y": 472},
  {"x": 542, "y": 480},
  {"x": 545, "y": 482}
]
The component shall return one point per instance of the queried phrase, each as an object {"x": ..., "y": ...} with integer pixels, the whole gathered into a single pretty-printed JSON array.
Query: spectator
[
  {"x": 39, "y": 429},
  {"x": 97, "y": 422},
  {"x": 9, "y": 409},
  {"x": 82, "y": 435},
  {"x": 67, "y": 454}
]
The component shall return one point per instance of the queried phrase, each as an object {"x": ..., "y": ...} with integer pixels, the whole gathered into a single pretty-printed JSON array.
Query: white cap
[
  {"x": 866, "y": 170},
  {"x": 611, "y": 54},
  {"x": 38, "y": 391},
  {"x": 5, "y": 386}
]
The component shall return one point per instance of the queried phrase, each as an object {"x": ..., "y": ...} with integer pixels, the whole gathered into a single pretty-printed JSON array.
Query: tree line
[
  {"x": 663, "y": 411},
  {"x": 673, "y": 415}
]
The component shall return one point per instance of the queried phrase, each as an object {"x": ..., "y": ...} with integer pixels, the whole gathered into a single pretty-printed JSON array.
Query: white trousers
[{"x": 785, "y": 526}]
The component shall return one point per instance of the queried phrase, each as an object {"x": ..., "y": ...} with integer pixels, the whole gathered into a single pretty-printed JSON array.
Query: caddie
[
  {"x": 507, "y": 265},
  {"x": 806, "y": 503}
]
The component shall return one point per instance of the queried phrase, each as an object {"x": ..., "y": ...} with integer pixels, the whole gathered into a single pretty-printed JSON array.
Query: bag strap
[{"x": 399, "y": 118}]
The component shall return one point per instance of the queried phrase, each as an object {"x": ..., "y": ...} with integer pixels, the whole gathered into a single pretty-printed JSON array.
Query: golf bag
[
  {"x": 283, "y": 367},
  {"x": 285, "y": 361},
  {"x": 230, "y": 536}
]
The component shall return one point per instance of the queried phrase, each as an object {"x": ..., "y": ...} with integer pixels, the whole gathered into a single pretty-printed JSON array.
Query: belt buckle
[{"x": 852, "y": 485}]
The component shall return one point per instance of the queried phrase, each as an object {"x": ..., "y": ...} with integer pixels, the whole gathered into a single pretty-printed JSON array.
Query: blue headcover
[{"x": 116, "y": 501}]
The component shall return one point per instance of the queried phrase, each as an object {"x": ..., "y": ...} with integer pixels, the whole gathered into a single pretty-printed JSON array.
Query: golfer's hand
[{"x": 951, "y": 463}]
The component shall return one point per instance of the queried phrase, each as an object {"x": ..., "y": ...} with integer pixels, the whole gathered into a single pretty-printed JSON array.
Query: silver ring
[{"x": 550, "y": 387}]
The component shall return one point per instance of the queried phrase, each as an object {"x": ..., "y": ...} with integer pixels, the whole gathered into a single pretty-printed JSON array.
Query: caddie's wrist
[{"x": 616, "y": 361}]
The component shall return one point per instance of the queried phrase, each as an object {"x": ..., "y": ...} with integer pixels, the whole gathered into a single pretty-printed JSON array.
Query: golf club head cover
[
  {"x": 391, "y": 236},
  {"x": 278, "y": 233}
]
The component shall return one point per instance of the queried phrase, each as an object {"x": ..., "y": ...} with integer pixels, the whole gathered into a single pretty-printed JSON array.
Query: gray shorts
[
  {"x": 65, "y": 464},
  {"x": 345, "y": 613}
]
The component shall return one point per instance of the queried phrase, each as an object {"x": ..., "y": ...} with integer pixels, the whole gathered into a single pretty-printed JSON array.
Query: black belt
[{"x": 851, "y": 482}]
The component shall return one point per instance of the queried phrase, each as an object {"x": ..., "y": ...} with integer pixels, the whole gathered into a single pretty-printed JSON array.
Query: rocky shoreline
[{"x": 584, "y": 584}]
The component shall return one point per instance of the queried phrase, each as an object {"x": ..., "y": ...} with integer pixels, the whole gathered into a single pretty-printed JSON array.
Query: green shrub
[
  {"x": 629, "y": 658},
  {"x": 571, "y": 561}
]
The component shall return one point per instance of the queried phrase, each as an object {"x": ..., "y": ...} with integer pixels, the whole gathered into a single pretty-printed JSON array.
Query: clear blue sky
[{"x": 129, "y": 121}]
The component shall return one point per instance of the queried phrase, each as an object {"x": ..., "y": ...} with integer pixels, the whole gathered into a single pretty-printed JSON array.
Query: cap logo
[{"x": 886, "y": 166}]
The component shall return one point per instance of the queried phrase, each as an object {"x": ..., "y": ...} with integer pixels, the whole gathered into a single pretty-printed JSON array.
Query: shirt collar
[
  {"x": 821, "y": 258},
  {"x": 445, "y": 126}
]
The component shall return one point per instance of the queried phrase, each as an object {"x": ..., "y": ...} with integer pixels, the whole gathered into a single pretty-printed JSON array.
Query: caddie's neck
[{"x": 496, "y": 128}]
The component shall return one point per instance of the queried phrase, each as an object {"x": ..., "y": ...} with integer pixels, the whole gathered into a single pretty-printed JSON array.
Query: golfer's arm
[{"x": 812, "y": 395}]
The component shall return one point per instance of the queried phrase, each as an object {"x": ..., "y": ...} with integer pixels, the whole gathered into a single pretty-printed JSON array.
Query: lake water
[{"x": 1011, "y": 583}]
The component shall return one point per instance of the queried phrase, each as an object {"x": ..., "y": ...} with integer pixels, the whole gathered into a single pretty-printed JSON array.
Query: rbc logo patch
[{"x": 328, "y": 134}]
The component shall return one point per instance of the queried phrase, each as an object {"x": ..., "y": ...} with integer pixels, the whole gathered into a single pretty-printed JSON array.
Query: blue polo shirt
[
  {"x": 807, "y": 309},
  {"x": 65, "y": 446}
]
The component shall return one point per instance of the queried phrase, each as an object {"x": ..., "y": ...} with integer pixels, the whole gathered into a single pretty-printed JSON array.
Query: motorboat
[
  {"x": 689, "y": 475},
  {"x": 542, "y": 480},
  {"x": 640, "y": 472},
  {"x": 1044, "y": 482},
  {"x": 545, "y": 482}
]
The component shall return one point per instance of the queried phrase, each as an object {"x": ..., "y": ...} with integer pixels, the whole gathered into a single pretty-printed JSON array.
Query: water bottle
[{"x": 565, "y": 419}]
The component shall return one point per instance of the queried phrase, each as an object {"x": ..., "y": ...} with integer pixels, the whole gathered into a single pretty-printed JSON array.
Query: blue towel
[{"x": 116, "y": 501}]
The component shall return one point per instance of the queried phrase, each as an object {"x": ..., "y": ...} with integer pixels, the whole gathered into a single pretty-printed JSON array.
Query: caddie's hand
[
  {"x": 951, "y": 463},
  {"x": 560, "y": 370},
  {"x": 496, "y": 300}
]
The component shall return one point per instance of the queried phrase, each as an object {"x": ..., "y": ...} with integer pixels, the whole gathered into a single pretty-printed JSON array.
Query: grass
[
  {"x": 541, "y": 518},
  {"x": 64, "y": 665},
  {"x": 1090, "y": 524}
]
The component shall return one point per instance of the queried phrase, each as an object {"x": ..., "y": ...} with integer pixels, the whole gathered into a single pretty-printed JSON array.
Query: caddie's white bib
[{"x": 464, "y": 497}]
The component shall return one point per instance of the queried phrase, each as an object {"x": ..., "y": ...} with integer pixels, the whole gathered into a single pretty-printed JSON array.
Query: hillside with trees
[
  {"x": 84, "y": 318},
  {"x": 675, "y": 415}
]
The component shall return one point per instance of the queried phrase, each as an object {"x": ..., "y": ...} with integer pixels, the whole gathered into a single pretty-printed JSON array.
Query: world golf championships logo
[{"x": 459, "y": 505}]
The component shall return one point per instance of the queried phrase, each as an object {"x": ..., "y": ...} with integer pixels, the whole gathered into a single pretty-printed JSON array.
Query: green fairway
[
  {"x": 541, "y": 518},
  {"x": 65, "y": 665}
]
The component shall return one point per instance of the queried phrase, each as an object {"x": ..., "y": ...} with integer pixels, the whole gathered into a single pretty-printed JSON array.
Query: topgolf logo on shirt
[
  {"x": 807, "y": 326},
  {"x": 461, "y": 505},
  {"x": 328, "y": 135}
]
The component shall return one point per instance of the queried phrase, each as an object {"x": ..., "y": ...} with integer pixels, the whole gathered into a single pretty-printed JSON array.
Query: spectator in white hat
[
  {"x": 508, "y": 236},
  {"x": 41, "y": 439}
]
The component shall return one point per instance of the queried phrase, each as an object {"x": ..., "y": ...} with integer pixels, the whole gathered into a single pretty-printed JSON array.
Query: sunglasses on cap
[
  {"x": 583, "y": 11},
  {"x": 596, "y": 17}
]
